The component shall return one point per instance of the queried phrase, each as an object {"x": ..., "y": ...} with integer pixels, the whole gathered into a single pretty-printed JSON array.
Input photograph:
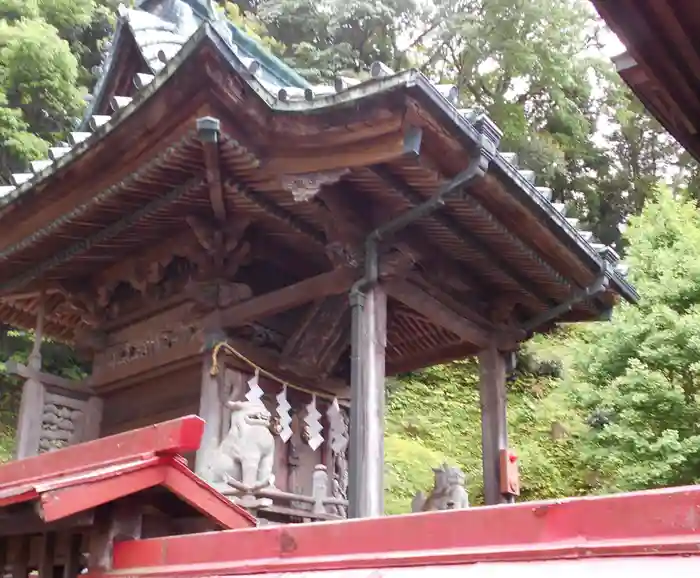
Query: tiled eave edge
[
  {"x": 410, "y": 79},
  {"x": 23, "y": 192},
  {"x": 102, "y": 80}
]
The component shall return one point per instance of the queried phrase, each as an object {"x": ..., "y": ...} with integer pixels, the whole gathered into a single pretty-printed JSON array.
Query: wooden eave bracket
[{"x": 209, "y": 129}]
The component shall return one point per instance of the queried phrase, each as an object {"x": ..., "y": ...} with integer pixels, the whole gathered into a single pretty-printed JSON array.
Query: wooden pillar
[
  {"x": 32, "y": 403},
  {"x": 210, "y": 408},
  {"x": 366, "y": 487},
  {"x": 494, "y": 427}
]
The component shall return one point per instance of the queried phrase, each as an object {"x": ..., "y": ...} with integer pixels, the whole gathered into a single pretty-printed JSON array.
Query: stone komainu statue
[
  {"x": 245, "y": 457},
  {"x": 448, "y": 492}
]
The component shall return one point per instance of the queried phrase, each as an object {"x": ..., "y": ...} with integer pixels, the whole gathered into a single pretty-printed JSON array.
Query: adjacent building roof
[
  {"x": 135, "y": 170},
  {"x": 662, "y": 61},
  {"x": 66, "y": 482}
]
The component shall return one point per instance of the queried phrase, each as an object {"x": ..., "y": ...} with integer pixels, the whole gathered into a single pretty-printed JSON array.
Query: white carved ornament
[{"x": 306, "y": 186}]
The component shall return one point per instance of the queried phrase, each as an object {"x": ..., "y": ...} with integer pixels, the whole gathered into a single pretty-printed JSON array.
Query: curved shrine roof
[{"x": 306, "y": 164}]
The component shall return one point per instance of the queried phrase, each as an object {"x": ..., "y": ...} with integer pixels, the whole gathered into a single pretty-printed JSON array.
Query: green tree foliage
[
  {"x": 434, "y": 416},
  {"x": 638, "y": 378},
  {"x": 47, "y": 51}
]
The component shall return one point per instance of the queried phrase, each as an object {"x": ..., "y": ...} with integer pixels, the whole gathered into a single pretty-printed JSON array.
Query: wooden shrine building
[{"x": 328, "y": 235}]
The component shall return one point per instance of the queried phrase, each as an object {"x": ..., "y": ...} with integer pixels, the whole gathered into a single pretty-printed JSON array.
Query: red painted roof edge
[
  {"x": 663, "y": 521},
  {"x": 171, "y": 437},
  {"x": 190, "y": 490}
]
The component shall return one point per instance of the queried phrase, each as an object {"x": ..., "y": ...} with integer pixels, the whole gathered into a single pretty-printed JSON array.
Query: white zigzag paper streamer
[
  {"x": 338, "y": 432},
  {"x": 284, "y": 415},
  {"x": 254, "y": 392},
  {"x": 313, "y": 425}
]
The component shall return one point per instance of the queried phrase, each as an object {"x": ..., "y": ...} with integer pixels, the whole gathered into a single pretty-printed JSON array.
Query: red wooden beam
[
  {"x": 171, "y": 437},
  {"x": 81, "y": 495},
  {"x": 643, "y": 523},
  {"x": 180, "y": 480}
]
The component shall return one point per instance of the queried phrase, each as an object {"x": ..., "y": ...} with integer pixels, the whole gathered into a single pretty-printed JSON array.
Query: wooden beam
[
  {"x": 332, "y": 283},
  {"x": 270, "y": 360},
  {"x": 16, "y": 368},
  {"x": 119, "y": 521},
  {"x": 209, "y": 130},
  {"x": 72, "y": 562},
  {"x": 27, "y": 521},
  {"x": 420, "y": 301},
  {"x": 382, "y": 149},
  {"x": 494, "y": 427}
]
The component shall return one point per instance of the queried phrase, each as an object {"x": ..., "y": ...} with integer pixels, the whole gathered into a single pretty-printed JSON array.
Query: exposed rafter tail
[
  {"x": 21, "y": 178},
  {"x": 119, "y": 102},
  {"x": 56, "y": 153},
  {"x": 546, "y": 192},
  {"x": 511, "y": 158},
  {"x": 528, "y": 175},
  {"x": 38, "y": 166},
  {"x": 379, "y": 70},
  {"x": 142, "y": 80},
  {"x": 78, "y": 137}
]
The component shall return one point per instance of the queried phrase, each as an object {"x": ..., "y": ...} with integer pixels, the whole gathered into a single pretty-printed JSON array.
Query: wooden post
[
  {"x": 494, "y": 427},
  {"x": 210, "y": 408},
  {"x": 31, "y": 405},
  {"x": 367, "y": 410},
  {"x": 47, "y": 556},
  {"x": 118, "y": 521}
]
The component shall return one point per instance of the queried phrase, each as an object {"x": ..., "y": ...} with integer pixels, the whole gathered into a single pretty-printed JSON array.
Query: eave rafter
[
  {"x": 532, "y": 293},
  {"x": 103, "y": 235}
]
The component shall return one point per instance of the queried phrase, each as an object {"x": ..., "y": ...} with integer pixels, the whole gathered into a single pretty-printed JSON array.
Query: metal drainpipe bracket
[{"x": 600, "y": 284}]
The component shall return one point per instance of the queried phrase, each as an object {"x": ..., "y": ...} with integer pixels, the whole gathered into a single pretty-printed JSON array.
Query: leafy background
[{"x": 602, "y": 408}]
